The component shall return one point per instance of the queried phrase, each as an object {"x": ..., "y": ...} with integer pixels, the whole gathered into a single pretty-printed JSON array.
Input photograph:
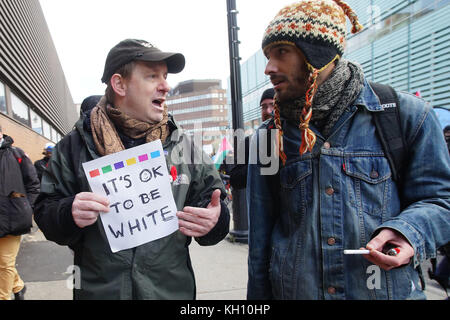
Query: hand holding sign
[
  {"x": 136, "y": 184},
  {"x": 86, "y": 208},
  {"x": 197, "y": 222}
]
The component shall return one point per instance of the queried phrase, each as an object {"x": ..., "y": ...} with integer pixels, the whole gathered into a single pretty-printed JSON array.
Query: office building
[
  {"x": 200, "y": 106},
  {"x": 36, "y": 106}
]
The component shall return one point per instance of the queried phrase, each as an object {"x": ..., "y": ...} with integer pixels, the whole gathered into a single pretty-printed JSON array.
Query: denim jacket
[{"x": 338, "y": 197}]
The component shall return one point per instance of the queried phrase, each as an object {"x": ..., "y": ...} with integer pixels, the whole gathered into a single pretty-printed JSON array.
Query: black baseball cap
[{"x": 139, "y": 50}]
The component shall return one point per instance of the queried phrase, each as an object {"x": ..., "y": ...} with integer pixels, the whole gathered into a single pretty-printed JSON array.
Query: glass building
[
  {"x": 253, "y": 82},
  {"x": 405, "y": 43}
]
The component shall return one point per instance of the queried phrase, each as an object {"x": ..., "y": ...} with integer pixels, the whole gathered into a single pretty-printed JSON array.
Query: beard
[
  {"x": 266, "y": 116},
  {"x": 295, "y": 87}
]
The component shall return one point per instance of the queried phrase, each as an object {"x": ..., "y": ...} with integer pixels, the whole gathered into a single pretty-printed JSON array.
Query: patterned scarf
[
  {"x": 105, "y": 120},
  {"x": 332, "y": 97}
]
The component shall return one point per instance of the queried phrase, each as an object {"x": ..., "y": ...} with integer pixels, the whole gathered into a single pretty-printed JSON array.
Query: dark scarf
[
  {"x": 105, "y": 119},
  {"x": 332, "y": 97}
]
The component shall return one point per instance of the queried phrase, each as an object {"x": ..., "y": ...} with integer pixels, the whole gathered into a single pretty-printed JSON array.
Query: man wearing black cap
[
  {"x": 266, "y": 104},
  {"x": 41, "y": 164},
  {"x": 132, "y": 112}
]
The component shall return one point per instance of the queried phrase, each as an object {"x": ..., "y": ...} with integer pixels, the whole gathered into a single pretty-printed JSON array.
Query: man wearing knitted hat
[
  {"x": 335, "y": 190},
  {"x": 131, "y": 113}
]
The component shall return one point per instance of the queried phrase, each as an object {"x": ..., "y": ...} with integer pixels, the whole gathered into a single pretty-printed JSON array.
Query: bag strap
[
  {"x": 388, "y": 127},
  {"x": 389, "y": 130}
]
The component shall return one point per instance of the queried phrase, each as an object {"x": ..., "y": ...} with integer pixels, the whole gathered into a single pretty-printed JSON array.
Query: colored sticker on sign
[
  {"x": 123, "y": 164},
  {"x": 155, "y": 154},
  {"x": 143, "y": 158},
  {"x": 94, "y": 173}
]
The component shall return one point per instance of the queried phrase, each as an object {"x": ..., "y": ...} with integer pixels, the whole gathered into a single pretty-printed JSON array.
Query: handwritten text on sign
[{"x": 136, "y": 182}]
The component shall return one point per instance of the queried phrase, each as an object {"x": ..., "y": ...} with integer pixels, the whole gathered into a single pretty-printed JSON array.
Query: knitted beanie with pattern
[{"x": 318, "y": 29}]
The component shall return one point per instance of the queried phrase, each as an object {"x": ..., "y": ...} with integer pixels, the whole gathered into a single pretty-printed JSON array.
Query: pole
[
  {"x": 240, "y": 223},
  {"x": 235, "y": 67}
]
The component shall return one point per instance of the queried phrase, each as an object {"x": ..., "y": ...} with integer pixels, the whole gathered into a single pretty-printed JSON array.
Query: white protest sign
[{"x": 136, "y": 182}]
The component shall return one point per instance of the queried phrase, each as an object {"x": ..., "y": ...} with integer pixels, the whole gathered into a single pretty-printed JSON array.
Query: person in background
[
  {"x": 42, "y": 164},
  {"x": 89, "y": 103},
  {"x": 238, "y": 172},
  {"x": 447, "y": 136},
  {"x": 18, "y": 180},
  {"x": 441, "y": 271},
  {"x": 266, "y": 104}
]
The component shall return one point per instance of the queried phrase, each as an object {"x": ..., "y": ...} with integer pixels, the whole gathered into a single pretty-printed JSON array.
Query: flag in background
[{"x": 222, "y": 152}]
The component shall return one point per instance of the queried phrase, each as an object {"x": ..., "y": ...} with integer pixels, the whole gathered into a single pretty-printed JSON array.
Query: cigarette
[{"x": 356, "y": 251}]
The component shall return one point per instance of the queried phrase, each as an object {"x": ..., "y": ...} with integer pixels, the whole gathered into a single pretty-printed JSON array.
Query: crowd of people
[{"x": 339, "y": 185}]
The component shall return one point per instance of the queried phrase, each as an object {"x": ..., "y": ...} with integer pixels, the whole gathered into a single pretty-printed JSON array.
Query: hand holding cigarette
[{"x": 400, "y": 252}]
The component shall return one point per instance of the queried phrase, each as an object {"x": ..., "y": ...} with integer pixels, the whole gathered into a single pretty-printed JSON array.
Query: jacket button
[
  {"x": 374, "y": 174},
  {"x": 331, "y": 241},
  {"x": 329, "y": 191},
  {"x": 331, "y": 290},
  {"x": 327, "y": 145}
]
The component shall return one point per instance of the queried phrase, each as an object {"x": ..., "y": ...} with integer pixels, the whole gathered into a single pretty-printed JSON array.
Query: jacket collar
[
  {"x": 176, "y": 131},
  {"x": 368, "y": 99}
]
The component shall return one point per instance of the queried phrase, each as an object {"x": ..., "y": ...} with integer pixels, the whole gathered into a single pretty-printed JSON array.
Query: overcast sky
[{"x": 84, "y": 31}]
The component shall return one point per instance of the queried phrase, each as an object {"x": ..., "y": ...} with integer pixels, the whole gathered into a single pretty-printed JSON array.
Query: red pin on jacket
[{"x": 173, "y": 173}]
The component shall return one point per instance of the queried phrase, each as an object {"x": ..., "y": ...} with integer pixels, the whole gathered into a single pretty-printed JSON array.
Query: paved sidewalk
[{"x": 220, "y": 270}]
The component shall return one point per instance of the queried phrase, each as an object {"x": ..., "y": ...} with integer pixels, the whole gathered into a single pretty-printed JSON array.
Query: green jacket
[{"x": 160, "y": 269}]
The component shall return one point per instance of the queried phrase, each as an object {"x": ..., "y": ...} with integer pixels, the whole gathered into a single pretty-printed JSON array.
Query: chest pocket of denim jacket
[
  {"x": 370, "y": 187},
  {"x": 295, "y": 180}
]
